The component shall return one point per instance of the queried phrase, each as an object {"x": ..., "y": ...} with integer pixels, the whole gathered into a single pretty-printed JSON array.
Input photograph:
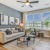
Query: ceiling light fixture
[{"x": 27, "y": 3}]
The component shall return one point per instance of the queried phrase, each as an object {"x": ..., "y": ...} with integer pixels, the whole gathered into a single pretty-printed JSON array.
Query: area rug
[
  {"x": 40, "y": 44},
  {"x": 13, "y": 46}
]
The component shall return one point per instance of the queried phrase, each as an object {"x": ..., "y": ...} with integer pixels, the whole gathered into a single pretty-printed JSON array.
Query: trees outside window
[{"x": 46, "y": 20}]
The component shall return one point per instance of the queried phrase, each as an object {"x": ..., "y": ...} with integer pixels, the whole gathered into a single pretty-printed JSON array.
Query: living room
[{"x": 24, "y": 25}]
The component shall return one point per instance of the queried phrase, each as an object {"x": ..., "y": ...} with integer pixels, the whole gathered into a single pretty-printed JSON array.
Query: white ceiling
[{"x": 17, "y": 6}]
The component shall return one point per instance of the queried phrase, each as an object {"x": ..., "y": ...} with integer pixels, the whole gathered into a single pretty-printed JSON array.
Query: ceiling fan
[{"x": 28, "y": 3}]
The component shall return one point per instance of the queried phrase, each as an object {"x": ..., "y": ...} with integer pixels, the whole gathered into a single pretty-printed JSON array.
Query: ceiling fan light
[{"x": 27, "y": 3}]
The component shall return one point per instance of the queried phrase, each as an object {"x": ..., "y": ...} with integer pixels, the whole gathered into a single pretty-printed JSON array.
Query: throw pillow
[{"x": 8, "y": 32}]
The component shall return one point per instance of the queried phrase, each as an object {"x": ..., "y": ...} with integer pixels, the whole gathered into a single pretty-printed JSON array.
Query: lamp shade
[{"x": 21, "y": 24}]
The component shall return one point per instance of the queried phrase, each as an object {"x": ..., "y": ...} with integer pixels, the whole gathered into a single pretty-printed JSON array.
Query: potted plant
[{"x": 28, "y": 31}]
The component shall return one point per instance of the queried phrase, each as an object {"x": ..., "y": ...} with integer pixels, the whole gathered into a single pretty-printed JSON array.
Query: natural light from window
[{"x": 39, "y": 20}]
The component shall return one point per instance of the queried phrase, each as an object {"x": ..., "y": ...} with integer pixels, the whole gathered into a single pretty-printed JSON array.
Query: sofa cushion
[
  {"x": 8, "y": 32},
  {"x": 14, "y": 35}
]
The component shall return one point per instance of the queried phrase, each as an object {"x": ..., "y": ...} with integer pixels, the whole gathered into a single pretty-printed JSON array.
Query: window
[
  {"x": 29, "y": 22},
  {"x": 37, "y": 20},
  {"x": 46, "y": 20},
  {"x": 40, "y": 20}
]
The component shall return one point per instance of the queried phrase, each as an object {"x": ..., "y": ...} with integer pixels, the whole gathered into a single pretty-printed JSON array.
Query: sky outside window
[
  {"x": 46, "y": 16},
  {"x": 37, "y": 17},
  {"x": 29, "y": 18}
]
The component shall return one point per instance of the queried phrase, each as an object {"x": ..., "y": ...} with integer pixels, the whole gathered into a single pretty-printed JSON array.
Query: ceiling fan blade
[
  {"x": 34, "y": 2},
  {"x": 20, "y": 1},
  {"x": 30, "y": 6}
]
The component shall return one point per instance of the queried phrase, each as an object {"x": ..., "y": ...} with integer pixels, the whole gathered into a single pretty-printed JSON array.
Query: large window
[{"x": 40, "y": 20}]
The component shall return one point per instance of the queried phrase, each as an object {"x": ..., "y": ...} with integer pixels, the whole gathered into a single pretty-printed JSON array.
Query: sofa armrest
[{"x": 2, "y": 37}]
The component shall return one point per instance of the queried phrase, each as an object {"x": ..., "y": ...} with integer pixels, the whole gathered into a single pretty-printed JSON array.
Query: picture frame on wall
[
  {"x": 11, "y": 20},
  {"x": 16, "y": 21},
  {"x": 4, "y": 19}
]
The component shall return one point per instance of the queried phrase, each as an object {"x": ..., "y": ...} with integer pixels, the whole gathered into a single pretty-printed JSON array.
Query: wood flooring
[
  {"x": 2, "y": 48},
  {"x": 40, "y": 44}
]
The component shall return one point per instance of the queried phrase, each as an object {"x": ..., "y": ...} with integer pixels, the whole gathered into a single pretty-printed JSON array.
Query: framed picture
[
  {"x": 4, "y": 20},
  {"x": 11, "y": 20},
  {"x": 16, "y": 21}
]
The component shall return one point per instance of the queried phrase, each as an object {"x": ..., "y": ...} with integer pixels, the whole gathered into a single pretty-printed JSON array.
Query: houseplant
[{"x": 28, "y": 31}]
